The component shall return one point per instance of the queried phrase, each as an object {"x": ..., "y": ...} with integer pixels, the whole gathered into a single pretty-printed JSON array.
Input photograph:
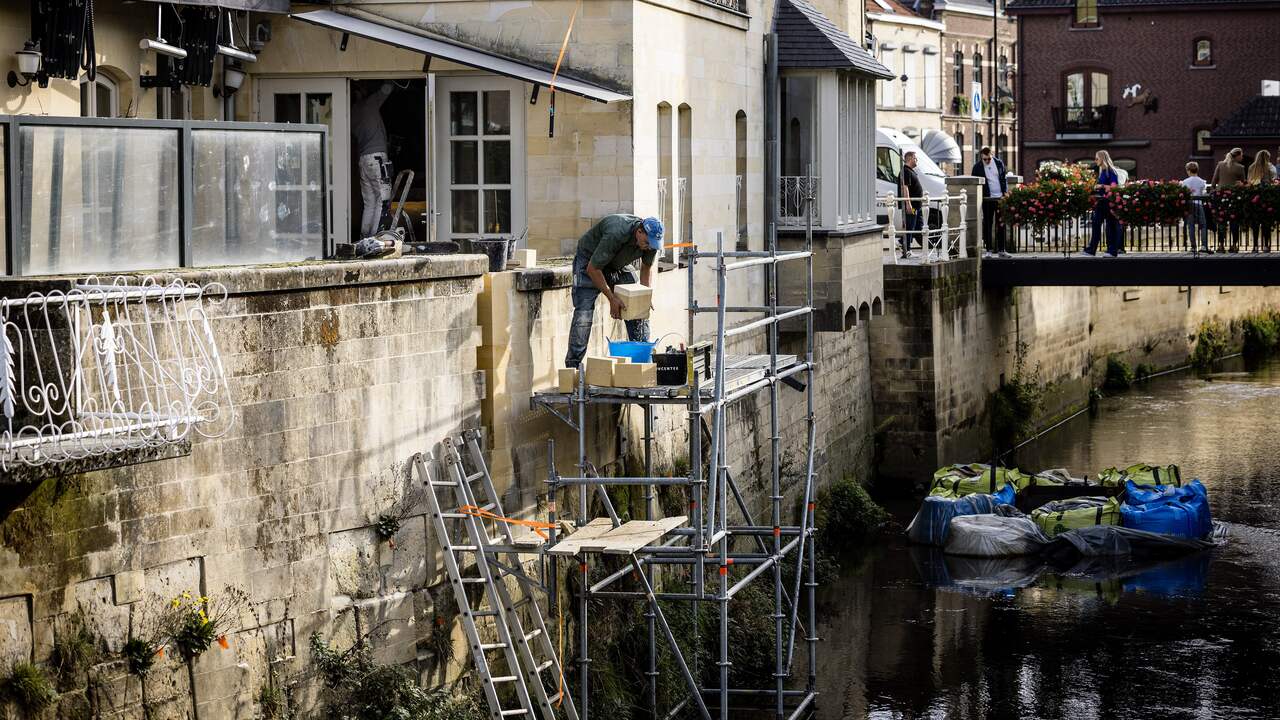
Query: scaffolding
[{"x": 704, "y": 543}]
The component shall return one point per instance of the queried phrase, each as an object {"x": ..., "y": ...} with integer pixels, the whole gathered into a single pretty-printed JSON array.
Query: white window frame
[
  {"x": 910, "y": 68},
  {"x": 888, "y": 92},
  {"x": 932, "y": 80},
  {"x": 443, "y": 155},
  {"x": 89, "y": 101}
]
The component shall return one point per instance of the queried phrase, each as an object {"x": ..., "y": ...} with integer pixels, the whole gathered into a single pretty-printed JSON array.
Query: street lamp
[
  {"x": 29, "y": 59},
  {"x": 232, "y": 78}
]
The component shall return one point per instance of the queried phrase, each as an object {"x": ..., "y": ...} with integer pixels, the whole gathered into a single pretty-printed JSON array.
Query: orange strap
[
  {"x": 479, "y": 512},
  {"x": 564, "y": 45},
  {"x": 682, "y": 245}
]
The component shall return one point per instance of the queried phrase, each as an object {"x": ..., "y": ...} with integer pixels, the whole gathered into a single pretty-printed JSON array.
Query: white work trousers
[{"x": 375, "y": 189}]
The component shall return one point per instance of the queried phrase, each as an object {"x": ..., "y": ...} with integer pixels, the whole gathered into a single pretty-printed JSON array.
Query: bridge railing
[
  {"x": 1074, "y": 235},
  {"x": 943, "y": 231}
]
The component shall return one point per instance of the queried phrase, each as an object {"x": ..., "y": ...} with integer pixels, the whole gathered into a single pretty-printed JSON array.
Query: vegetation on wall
[
  {"x": 29, "y": 688},
  {"x": 1015, "y": 404},
  {"x": 846, "y": 514},
  {"x": 1261, "y": 332},
  {"x": 1119, "y": 375},
  {"x": 75, "y": 649},
  {"x": 1211, "y": 342}
]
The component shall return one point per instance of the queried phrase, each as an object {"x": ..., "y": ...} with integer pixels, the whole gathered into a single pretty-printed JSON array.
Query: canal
[{"x": 909, "y": 633}]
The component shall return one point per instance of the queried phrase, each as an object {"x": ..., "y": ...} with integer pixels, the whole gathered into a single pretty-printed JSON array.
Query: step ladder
[{"x": 530, "y": 669}]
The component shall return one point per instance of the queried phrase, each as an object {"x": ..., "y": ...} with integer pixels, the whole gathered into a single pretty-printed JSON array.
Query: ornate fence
[
  {"x": 793, "y": 194},
  {"x": 944, "y": 227},
  {"x": 106, "y": 367}
]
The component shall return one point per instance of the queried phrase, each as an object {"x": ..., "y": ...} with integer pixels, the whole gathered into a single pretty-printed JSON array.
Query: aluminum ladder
[{"x": 531, "y": 663}]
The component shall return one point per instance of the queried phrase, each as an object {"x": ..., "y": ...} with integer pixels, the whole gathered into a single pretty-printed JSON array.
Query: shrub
[
  {"x": 1149, "y": 202},
  {"x": 1211, "y": 343},
  {"x": 1119, "y": 375},
  {"x": 1065, "y": 172},
  {"x": 29, "y": 688},
  {"x": 1015, "y": 404},
  {"x": 75, "y": 649},
  {"x": 1258, "y": 205},
  {"x": 1261, "y": 332},
  {"x": 1045, "y": 203},
  {"x": 1143, "y": 372},
  {"x": 846, "y": 514}
]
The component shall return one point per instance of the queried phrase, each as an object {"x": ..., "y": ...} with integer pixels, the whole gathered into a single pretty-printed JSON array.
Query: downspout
[
  {"x": 1020, "y": 96},
  {"x": 771, "y": 139}
]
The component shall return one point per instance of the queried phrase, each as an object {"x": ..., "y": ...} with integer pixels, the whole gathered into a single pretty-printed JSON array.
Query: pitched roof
[
  {"x": 1260, "y": 117},
  {"x": 890, "y": 7},
  {"x": 1016, "y": 5},
  {"x": 807, "y": 39}
]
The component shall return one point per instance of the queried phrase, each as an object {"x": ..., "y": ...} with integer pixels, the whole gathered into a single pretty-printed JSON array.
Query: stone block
[
  {"x": 637, "y": 298},
  {"x": 567, "y": 379},
  {"x": 128, "y": 586},
  {"x": 16, "y": 633},
  {"x": 635, "y": 375},
  {"x": 600, "y": 371}
]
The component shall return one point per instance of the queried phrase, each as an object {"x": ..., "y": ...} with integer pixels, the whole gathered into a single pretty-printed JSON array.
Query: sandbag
[
  {"x": 1187, "y": 518},
  {"x": 932, "y": 522},
  {"x": 1136, "y": 494},
  {"x": 957, "y": 481},
  {"x": 1142, "y": 474},
  {"x": 1060, "y": 516},
  {"x": 1066, "y": 549},
  {"x": 993, "y": 536}
]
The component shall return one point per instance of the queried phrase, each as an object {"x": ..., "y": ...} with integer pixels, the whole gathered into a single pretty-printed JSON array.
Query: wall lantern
[
  {"x": 29, "y": 59},
  {"x": 232, "y": 79}
]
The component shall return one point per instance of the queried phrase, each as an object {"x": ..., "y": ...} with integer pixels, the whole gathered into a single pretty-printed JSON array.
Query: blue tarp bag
[
  {"x": 933, "y": 522},
  {"x": 1181, "y": 511},
  {"x": 1006, "y": 495},
  {"x": 1136, "y": 494}
]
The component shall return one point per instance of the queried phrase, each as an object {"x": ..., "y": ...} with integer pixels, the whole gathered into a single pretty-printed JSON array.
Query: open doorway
[{"x": 402, "y": 113}]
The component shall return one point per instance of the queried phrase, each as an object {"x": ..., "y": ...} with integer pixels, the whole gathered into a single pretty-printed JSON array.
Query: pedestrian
[
  {"x": 1195, "y": 220},
  {"x": 1229, "y": 173},
  {"x": 912, "y": 193},
  {"x": 370, "y": 134},
  {"x": 1102, "y": 215},
  {"x": 1261, "y": 171},
  {"x": 994, "y": 186},
  {"x": 605, "y": 257}
]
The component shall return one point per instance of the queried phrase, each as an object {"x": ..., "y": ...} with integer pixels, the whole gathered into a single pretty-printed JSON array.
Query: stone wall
[
  {"x": 339, "y": 373},
  {"x": 946, "y": 344}
]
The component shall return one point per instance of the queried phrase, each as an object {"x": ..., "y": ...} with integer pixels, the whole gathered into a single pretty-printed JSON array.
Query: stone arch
[
  {"x": 877, "y": 306},
  {"x": 864, "y": 312},
  {"x": 850, "y": 318}
]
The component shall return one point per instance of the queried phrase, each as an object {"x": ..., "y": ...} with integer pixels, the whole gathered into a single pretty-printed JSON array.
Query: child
[{"x": 1195, "y": 215}]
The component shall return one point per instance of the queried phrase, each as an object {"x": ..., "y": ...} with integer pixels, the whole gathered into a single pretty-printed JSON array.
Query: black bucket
[{"x": 495, "y": 249}]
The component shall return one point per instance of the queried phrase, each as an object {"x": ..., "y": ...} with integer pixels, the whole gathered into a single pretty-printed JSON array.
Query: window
[
  {"x": 482, "y": 162},
  {"x": 1203, "y": 56},
  {"x": 977, "y": 67},
  {"x": 1085, "y": 92},
  {"x": 932, "y": 79},
  {"x": 684, "y": 182},
  {"x": 910, "y": 71},
  {"x": 666, "y": 189},
  {"x": 1086, "y": 13},
  {"x": 977, "y": 145},
  {"x": 1002, "y": 141},
  {"x": 959, "y": 136},
  {"x": 740, "y": 179},
  {"x": 799, "y": 125},
  {"x": 888, "y": 164},
  {"x": 957, "y": 73},
  {"x": 888, "y": 88},
  {"x": 1200, "y": 142},
  {"x": 98, "y": 97}
]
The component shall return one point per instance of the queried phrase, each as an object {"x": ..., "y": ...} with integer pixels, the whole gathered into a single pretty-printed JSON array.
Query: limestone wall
[{"x": 339, "y": 373}]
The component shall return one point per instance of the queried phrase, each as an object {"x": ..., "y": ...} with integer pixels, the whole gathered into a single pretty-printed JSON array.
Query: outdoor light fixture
[
  {"x": 162, "y": 47},
  {"x": 232, "y": 78},
  {"x": 28, "y": 65},
  {"x": 237, "y": 53}
]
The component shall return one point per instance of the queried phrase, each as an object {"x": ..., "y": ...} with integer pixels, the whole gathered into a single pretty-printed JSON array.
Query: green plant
[
  {"x": 1210, "y": 344},
  {"x": 1014, "y": 404},
  {"x": 1261, "y": 332},
  {"x": 1119, "y": 375},
  {"x": 272, "y": 703},
  {"x": 1143, "y": 372},
  {"x": 140, "y": 655},
  {"x": 29, "y": 688},
  {"x": 1046, "y": 202},
  {"x": 960, "y": 104},
  {"x": 1149, "y": 202},
  {"x": 387, "y": 526},
  {"x": 75, "y": 649},
  {"x": 845, "y": 514}
]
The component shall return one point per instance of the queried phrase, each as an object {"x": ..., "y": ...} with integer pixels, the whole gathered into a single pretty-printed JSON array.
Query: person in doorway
[
  {"x": 605, "y": 257},
  {"x": 1107, "y": 178},
  {"x": 994, "y": 186},
  {"x": 370, "y": 135},
  {"x": 1229, "y": 173},
  {"x": 912, "y": 192},
  {"x": 1195, "y": 220}
]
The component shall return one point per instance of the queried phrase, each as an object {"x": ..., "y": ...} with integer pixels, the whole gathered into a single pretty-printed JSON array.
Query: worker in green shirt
[{"x": 605, "y": 257}]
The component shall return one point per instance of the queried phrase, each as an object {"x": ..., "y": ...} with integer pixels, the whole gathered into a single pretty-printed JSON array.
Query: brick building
[{"x": 1147, "y": 80}]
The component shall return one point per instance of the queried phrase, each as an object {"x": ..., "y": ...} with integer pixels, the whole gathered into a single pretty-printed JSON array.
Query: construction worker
[
  {"x": 604, "y": 258},
  {"x": 370, "y": 135}
]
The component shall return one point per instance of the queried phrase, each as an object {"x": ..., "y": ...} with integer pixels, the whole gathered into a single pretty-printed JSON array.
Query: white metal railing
[
  {"x": 793, "y": 192},
  {"x": 106, "y": 367},
  {"x": 944, "y": 229}
]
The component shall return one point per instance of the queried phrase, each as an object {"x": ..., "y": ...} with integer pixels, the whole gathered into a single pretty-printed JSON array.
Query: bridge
[{"x": 1153, "y": 256}]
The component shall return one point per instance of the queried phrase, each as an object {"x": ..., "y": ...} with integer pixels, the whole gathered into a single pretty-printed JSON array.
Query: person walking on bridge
[
  {"x": 995, "y": 185},
  {"x": 1102, "y": 215},
  {"x": 1229, "y": 173},
  {"x": 605, "y": 257}
]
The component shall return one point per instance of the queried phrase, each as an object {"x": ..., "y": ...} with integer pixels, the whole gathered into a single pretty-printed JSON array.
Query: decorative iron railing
[
  {"x": 942, "y": 231},
  {"x": 797, "y": 198},
  {"x": 107, "y": 367},
  {"x": 734, "y": 5}
]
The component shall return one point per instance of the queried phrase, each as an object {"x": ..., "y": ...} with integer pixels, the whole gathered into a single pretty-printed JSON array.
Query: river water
[{"x": 908, "y": 633}]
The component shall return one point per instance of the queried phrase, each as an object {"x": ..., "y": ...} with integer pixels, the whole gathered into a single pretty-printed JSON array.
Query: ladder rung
[
  {"x": 463, "y": 548},
  {"x": 555, "y": 698},
  {"x": 485, "y": 613},
  {"x": 476, "y": 581},
  {"x": 453, "y": 515},
  {"x": 532, "y": 635},
  {"x": 519, "y": 711},
  {"x": 492, "y": 646},
  {"x": 443, "y": 483},
  {"x": 475, "y": 476},
  {"x": 503, "y": 679},
  {"x": 543, "y": 666}
]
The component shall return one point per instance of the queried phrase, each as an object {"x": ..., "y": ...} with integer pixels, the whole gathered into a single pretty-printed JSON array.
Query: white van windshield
[{"x": 923, "y": 163}]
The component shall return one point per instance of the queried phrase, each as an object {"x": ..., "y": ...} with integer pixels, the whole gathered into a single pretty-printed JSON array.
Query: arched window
[
  {"x": 666, "y": 176},
  {"x": 1086, "y": 13},
  {"x": 1202, "y": 52},
  {"x": 1084, "y": 93},
  {"x": 977, "y": 67},
  {"x": 99, "y": 97},
  {"x": 958, "y": 73},
  {"x": 740, "y": 170}
]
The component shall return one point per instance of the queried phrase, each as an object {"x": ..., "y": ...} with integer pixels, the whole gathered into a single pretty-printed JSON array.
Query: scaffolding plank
[{"x": 625, "y": 539}]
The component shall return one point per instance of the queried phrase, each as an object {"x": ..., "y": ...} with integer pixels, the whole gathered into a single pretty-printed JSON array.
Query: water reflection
[{"x": 911, "y": 633}]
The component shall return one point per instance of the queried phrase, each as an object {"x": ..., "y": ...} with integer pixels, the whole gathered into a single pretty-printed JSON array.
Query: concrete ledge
[
  {"x": 24, "y": 474},
  {"x": 543, "y": 277},
  {"x": 248, "y": 279}
]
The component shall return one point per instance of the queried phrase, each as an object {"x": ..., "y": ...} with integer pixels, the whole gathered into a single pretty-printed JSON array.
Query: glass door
[
  {"x": 320, "y": 101},
  {"x": 480, "y": 158}
]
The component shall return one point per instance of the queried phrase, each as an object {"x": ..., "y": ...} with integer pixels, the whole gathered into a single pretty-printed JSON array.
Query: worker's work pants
[
  {"x": 584, "y": 310},
  {"x": 375, "y": 190}
]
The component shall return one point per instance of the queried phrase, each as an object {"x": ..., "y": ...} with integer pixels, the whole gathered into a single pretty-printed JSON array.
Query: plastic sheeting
[
  {"x": 1109, "y": 540},
  {"x": 932, "y": 522},
  {"x": 994, "y": 536},
  {"x": 1060, "y": 516}
]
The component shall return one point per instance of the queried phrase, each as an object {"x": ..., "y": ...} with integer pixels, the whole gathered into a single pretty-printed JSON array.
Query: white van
[{"x": 890, "y": 146}]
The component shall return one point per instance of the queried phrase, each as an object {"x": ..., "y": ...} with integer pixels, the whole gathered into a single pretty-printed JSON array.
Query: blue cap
[{"x": 653, "y": 228}]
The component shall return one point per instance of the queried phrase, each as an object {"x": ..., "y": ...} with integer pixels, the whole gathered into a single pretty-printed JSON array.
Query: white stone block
[
  {"x": 525, "y": 258},
  {"x": 637, "y": 298},
  {"x": 600, "y": 371}
]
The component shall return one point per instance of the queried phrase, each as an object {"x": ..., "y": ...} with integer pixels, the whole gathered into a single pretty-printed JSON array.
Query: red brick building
[{"x": 1146, "y": 80}]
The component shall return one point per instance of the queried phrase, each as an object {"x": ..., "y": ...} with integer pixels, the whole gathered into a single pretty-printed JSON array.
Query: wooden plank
[
  {"x": 587, "y": 533},
  {"x": 632, "y": 536}
]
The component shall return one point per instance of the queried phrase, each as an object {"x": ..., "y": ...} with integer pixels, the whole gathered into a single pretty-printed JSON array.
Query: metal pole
[
  {"x": 695, "y": 461},
  {"x": 650, "y": 513},
  {"x": 775, "y": 483},
  {"x": 584, "y": 661},
  {"x": 721, "y": 463}
]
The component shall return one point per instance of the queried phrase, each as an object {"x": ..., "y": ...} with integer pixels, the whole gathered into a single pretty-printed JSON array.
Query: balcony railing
[
  {"x": 1085, "y": 122},
  {"x": 734, "y": 5},
  {"x": 794, "y": 192},
  {"x": 89, "y": 195}
]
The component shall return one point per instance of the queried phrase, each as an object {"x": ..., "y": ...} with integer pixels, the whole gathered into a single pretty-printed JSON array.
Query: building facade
[
  {"x": 1146, "y": 80},
  {"x": 910, "y": 47}
]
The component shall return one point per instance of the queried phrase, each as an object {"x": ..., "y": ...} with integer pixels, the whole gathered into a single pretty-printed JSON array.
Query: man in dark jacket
[
  {"x": 605, "y": 257},
  {"x": 913, "y": 214},
  {"x": 990, "y": 170}
]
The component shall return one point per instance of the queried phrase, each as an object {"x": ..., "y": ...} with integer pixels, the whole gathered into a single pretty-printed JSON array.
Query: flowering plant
[
  {"x": 1065, "y": 172},
  {"x": 1255, "y": 206},
  {"x": 1149, "y": 202},
  {"x": 1044, "y": 203},
  {"x": 194, "y": 622}
]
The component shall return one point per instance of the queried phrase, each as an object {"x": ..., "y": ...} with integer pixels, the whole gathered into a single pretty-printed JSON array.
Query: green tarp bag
[
  {"x": 1060, "y": 516},
  {"x": 1141, "y": 474},
  {"x": 957, "y": 481}
]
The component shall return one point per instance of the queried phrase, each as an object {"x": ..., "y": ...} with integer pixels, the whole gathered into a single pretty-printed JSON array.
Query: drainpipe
[{"x": 771, "y": 139}]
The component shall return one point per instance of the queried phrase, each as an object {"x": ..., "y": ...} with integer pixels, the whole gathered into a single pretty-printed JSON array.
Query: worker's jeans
[
  {"x": 375, "y": 189},
  {"x": 584, "y": 310}
]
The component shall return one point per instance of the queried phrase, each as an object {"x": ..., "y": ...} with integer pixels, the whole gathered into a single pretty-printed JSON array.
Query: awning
[
  {"x": 270, "y": 6},
  {"x": 455, "y": 53},
  {"x": 940, "y": 147}
]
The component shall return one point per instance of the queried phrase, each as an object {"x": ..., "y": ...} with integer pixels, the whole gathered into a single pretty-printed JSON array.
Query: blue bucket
[{"x": 637, "y": 352}]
